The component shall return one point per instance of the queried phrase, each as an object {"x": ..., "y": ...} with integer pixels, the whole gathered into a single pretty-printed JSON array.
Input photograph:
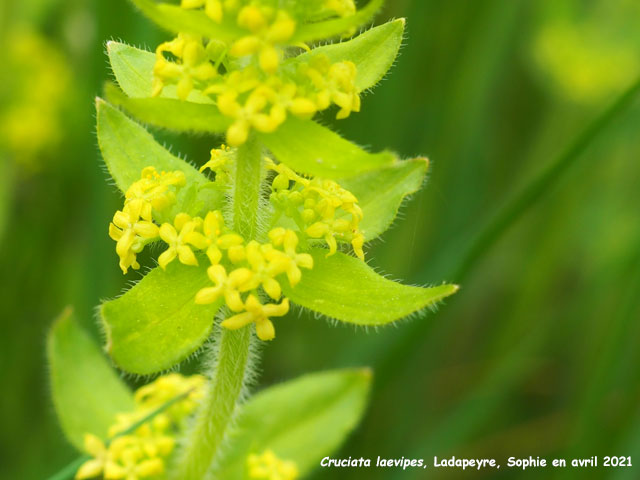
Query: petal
[
  {"x": 168, "y": 233},
  {"x": 272, "y": 287},
  {"x": 197, "y": 240},
  {"x": 89, "y": 469},
  {"x": 229, "y": 240},
  {"x": 273, "y": 310},
  {"x": 234, "y": 301},
  {"x": 186, "y": 255},
  {"x": 146, "y": 229},
  {"x": 214, "y": 254},
  {"x": 166, "y": 257},
  {"x": 294, "y": 275},
  {"x": 217, "y": 274},
  {"x": 148, "y": 468},
  {"x": 237, "y": 321},
  {"x": 181, "y": 220},
  {"x": 121, "y": 220},
  {"x": 265, "y": 330},
  {"x": 93, "y": 445},
  {"x": 304, "y": 260},
  {"x": 124, "y": 244},
  {"x": 236, "y": 253},
  {"x": 114, "y": 232},
  {"x": 208, "y": 295}
]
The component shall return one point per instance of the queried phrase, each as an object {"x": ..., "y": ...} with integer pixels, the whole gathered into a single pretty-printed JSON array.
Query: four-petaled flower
[
  {"x": 227, "y": 286},
  {"x": 259, "y": 314},
  {"x": 178, "y": 243},
  {"x": 131, "y": 234}
]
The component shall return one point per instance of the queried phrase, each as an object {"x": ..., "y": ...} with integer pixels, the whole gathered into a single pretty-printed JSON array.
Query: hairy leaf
[
  {"x": 381, "y": 192},
  {"x": 177, "y": 19},
  {"x": 347, "y": 289},
  {"x": 127, "y": 148},
  {"x": 87, "y": 392},
  {"x": 302, "y": 420},
  {"x": 312, "y": 32},
  {"x": 310, "y": 148},
  {"x": 373, "y": 52},
  {"x": 157, "y": 324},
  {"x": 171, "y": 113}
]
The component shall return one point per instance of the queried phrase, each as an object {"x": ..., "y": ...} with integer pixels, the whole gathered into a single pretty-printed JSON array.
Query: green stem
[
  {"x": 230, "y": 371},
  {"x": 246, "y": 198},
  {"x": 531, "y": 193},
  {"x": 232, "y": 364}
]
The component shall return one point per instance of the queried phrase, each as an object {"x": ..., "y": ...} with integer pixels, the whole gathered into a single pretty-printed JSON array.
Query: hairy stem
[
  {"x": 230, "y": 371},
  {"x": 232, "y": 364},
  {"x": 246, "y": 199}
]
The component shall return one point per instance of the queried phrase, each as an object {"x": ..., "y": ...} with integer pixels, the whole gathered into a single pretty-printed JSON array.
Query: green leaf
[
  {"x": 310, "y": 148},
  {"x": 312, "y": 32},
  {"x": 133, "y": 69},
  {"x": 127, "y": 148},
  {"x": 381, "y": 192},
  {"x": 347, "y": 289},
  {"x": 87, "y": 392},
  {"x": 157, "y": 323},
  {"x": 176, "y": 19},
  {"x": 303, "y": 420},
  {"x": 373, "y": 52},
  {"x": 171, "y": 113}
]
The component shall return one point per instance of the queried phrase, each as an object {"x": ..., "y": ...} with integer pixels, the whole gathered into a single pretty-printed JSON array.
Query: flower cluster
[
  {"x": 237, "y": 269},
  {"x": 320, "y": 207},
  {"x": 257, "y": 79},
  {"x": 267, "y": 466},
  {"x": 132, "y": 227},
  {"x": 243, "y": 273},
  {"x": 142, "y": 453}
]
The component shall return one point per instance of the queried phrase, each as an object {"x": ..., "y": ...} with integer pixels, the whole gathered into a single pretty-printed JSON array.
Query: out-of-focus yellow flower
[
  {"x": 593, "y": 53},
  {"x": 267, "y": 466},
  {"x": 38, "y": 78},
  {"x": 192, "y": 65}
]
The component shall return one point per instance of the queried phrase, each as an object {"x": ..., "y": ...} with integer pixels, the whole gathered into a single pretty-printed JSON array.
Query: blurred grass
[{"x": 537, "y": 354}]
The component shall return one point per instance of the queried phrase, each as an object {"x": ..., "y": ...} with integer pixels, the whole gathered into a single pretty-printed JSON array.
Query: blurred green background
[{"x": 538, "y": 354}]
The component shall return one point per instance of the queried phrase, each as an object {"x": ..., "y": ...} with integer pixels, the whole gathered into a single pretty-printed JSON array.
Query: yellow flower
[
  {"x": 154, "y": 190},
  {"x": 212, "y": 239},
  {"x": 227, "y": 286},
  {"x": 259, "y": 314},
  {"x": 178, "y": 243},
  {"x": 253, "y": 113},
  {"x": 132, "y": 463},
  {"x": 102, "y": 461},
  {"x": 264, "y": 36},
  {"x": 334, "y": 83},
  {"x": 212, "y": 8},
  {"x": 220, "y": 162},
  {"x": 343, "y": 8},
  {"x": 193, "y": 65},
  {"x": 357, "y": 243},
  {"x": 131, "y": 233},
  {"x": 289, "y": 240},
  {"x": 264, "y": 270},
  {"x": 267, "y": 466},
  {"x": 167, "y": 387}
]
